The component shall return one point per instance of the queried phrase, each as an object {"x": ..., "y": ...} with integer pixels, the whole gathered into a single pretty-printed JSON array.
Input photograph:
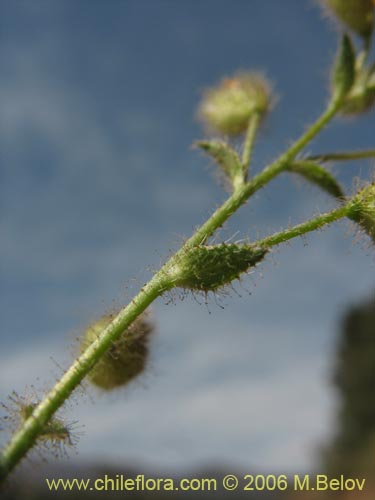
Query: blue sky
[{"x": 99, "y": 184}]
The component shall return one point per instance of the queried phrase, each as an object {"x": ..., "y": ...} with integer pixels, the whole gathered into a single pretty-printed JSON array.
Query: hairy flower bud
[
  {"x": 209, "y": 268},
  {"x": 357, "y": 15},
  {"x": 228, "y": 107},
  {"x": 127, "y": 356}
]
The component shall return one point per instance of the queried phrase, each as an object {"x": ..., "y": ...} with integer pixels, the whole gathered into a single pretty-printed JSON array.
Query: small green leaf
[
  {"x": 344, "y": 69},
  {"x": 225, "y": 157},
  {"x": 317, "y": 175}
]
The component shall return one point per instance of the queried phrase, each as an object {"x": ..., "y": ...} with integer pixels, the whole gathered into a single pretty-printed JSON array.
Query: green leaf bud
[
  {"x": 125, "y": 359},
  {"x": 344, "y": 70},
  {"x": 361, "y": 98},
  {"x": 209, "y": 268},
  {"x": 357, "y": 15},
  {"x": 227, "y": 108}
]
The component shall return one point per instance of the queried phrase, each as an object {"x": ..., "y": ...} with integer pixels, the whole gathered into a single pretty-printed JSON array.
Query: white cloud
[{"x": 271, "y": 422}]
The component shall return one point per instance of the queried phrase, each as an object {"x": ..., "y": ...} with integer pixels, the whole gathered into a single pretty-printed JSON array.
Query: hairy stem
[
  {"x": 28, "y": 433},
  {"x": 305, "y": 227},
  {"x": 249, "y": 140}
]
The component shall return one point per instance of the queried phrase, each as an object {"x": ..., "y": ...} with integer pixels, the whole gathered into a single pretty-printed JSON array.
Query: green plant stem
[
  {"x": 344, "y": 156},
  {"x": 27, "y": 434},
  {"x": 305, "y": 227},
  {"x": 249, "y": 140}
]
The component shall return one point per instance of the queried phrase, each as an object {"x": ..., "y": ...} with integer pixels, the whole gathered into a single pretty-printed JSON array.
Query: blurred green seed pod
[
  {"x": 361, "y": 98},
  {"x": 357, "y": 15},
  {"x": 125, "y": 359},
  {"x": 209, "y": 268},
  {"x": 227, "y": 108}
]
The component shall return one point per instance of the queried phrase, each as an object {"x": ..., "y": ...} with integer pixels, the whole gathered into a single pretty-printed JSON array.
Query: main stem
[{"x": 27, "y": 434}]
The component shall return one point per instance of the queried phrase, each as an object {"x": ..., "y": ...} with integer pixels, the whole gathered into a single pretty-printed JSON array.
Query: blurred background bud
[
  {"x": 228, "y": 107},
  {"x": 357, "y": 15}
]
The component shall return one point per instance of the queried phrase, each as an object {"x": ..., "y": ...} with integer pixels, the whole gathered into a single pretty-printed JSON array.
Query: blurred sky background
[{"x": 98, "y": 184}]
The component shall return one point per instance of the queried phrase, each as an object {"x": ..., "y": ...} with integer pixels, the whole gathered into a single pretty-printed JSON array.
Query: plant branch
[
  {"x": 305, "y": 227},
  {"x": 28, "y": 433},
  {"x": 343, "y": 156}
]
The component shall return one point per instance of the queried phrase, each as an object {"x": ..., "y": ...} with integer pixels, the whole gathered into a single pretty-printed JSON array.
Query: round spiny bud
[
  {"x": 363, "y": 209},
  {"x": 125, "y": 359},
  {"x": 55, "y": 430},
  {"x": 54, "y": 436},
  {"x": 357, "y": 15},
  {"x": 228, "y": 107},
  {"x": 209, "y": 268}
]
